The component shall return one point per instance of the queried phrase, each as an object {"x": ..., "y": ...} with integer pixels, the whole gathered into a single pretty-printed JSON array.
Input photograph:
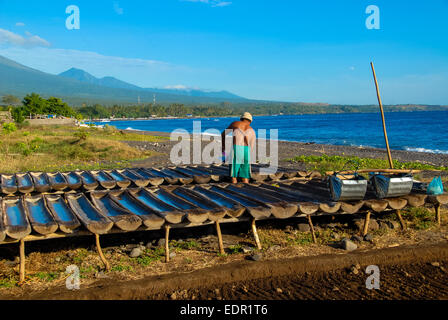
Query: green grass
[
  {"x": 149, "y": 256},
  {"x": 46, "y": 276},
  {"x": 184, "y": 245},
  {"x": 420, "y": 218},
  {"x": 121, "y": 268},
  {"x": 336, "y": 163},
  {"x": 53, "y": 148},
  {"x": 85, "y": 272},
  {"x": 305, "y": 238},
  {"x": 301, "y": 238},
  {"x": 80, "y": 256},
  {"x": 235, "y": 249},
  {"x": 8, "y": 282}
]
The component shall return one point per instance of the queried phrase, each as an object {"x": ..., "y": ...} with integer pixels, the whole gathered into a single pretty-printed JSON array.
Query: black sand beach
[{"x": 289, "y": 150}]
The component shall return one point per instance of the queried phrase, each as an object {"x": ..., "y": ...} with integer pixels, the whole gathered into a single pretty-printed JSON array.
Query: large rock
[
  {"x": 136, "y": 252},
  {"x": 348, "y": 245},
  {"x": 303, "y": 227},
  {"x": 256, "y": 257}
]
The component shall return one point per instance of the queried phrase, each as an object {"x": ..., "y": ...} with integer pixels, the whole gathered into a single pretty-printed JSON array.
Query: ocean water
[{"x": 413, "y": 131}]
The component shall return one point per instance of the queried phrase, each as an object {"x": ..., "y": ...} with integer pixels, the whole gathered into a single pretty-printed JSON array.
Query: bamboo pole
[
  {"x": 382, "y": 117},
  {"x": 218, "y": 231},
  {"x": 313, "y": 233},
  {"x": 255, "y": 232},
  {"x": 437, "y": 210},
  {"x": 366, "y": 224},
  {"x": 167, "y": 243},
  {"x": 402, "y": 223},
  {"x": 100, "y": 252},
  {"x": 22, "y": 262}
]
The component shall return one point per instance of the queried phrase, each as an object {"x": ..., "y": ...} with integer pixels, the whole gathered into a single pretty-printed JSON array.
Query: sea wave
[
  {"x": 210, "y": 134},
  {"x": 132, "y": 129},
  {"x": 426, "y": 150}
]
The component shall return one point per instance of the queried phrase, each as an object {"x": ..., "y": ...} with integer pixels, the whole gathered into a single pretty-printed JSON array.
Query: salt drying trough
[{"x": 37, "y": 206}]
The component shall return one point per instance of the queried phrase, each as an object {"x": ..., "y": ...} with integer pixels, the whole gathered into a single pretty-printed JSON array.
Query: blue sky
[{"x": 310, "y": 51}]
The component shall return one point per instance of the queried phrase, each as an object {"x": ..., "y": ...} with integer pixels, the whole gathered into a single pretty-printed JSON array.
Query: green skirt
[{"x": 240, "y": 166}]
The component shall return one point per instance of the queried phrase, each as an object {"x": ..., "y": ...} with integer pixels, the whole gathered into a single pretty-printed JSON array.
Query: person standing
[{"x": 244, "y": 139}]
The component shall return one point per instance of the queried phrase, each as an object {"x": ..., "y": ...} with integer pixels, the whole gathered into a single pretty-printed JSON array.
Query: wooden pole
[
  {"x": 313, "y": 233},
  {"x": 366, "y": 224},
  {"x": 100, "y": 252},
  {"x": 382, "y": 117},
  {"x": 437, "y": 210},
  {"x": 22, "y": 262},
  {"x": 402, "y": 223},
  {"x": 218, "y": 231},
  {"x": 167, "y": 243},
  {"x": 255, "y": 232}
]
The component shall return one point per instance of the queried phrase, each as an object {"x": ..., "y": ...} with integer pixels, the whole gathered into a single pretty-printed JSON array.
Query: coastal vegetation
[
  {"x": 98, "y": 111},
  {"x": 325, "y": 163},
  {"x": 34, "y": 104},
  {"x": 62, "y": 148}
]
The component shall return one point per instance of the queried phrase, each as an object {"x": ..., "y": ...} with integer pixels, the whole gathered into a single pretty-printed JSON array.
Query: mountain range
[{"x": 78, "y": 86}]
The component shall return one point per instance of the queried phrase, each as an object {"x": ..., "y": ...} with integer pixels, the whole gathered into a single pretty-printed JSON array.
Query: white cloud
[
  {"x": 62, "y": 59},
  {"x": 176, "y": 86},
  {"x": 142, "y": 72},
  {"x": 118, "y": 10},
  {"x": 212, "y": 3},
  {"x": 20, "y": 24},
  {"x": 14, "y": 39},
  {"x": 181, "y": 87}
]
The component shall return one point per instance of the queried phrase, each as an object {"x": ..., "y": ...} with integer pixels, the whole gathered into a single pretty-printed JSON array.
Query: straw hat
[{"x": 247, "y": 116}]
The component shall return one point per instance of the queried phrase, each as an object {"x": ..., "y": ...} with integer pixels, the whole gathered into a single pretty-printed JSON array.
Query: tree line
[{"x": 33, "y": 104}]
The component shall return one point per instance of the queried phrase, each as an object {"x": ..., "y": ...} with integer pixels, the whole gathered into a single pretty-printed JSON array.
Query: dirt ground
[{"x": 413, "y": 263}]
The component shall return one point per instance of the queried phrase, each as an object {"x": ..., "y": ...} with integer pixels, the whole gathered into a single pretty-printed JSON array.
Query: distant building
[{"x": 5, "y": 116}]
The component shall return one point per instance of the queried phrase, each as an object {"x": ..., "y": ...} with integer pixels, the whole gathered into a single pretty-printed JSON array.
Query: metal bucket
[
  {"x": 347, "y": 189},
  {"x": 391, "y": 186}
]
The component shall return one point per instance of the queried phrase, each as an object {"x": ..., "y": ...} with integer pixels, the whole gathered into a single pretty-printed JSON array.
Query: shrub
[
  {"x": 9, "y": 127},
  {"x": 81, "y": 135},
  {"x": 27, "y": 149}
]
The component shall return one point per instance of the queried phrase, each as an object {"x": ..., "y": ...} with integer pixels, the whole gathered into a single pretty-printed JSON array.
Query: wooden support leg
[
  {"x": 218, "y": 231},
  {"x": 255, "y": 232},
  {"x": 22, "y": 262},
  {"x": 100, "y": 252},
  {"x": 402, "y": 222},
  {"x": 437, "y": 210},
  {"x": 167, "y": 243},
  {"x": 366, "y": 224},
  {"x": 313, "y": 233}
]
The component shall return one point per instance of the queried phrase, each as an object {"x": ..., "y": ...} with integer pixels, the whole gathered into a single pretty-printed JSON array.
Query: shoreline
[
  {"x": 290, "y": 149},
  {"x": 258, "y": 115}
]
